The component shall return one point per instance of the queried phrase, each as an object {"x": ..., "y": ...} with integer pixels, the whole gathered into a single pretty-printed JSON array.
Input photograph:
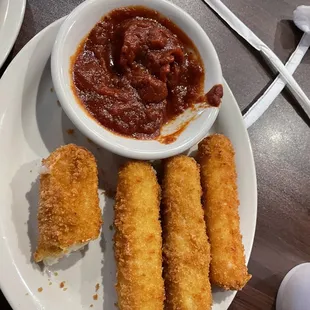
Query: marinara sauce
[{"x": 135, "y": 71}]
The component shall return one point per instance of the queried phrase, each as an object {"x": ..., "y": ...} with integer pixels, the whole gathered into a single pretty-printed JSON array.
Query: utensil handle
[
  {"x": 235, "y": 23},
  {"x": 295, "y": 88},
  {"x": 263, "y": 103}
]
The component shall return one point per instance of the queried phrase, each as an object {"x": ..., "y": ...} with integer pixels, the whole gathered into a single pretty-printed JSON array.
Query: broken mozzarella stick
[{"x": 69, "y": 215}]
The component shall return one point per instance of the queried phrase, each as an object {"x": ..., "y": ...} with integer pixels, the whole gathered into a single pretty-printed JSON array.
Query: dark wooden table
[{"x": 280, "y": 138}]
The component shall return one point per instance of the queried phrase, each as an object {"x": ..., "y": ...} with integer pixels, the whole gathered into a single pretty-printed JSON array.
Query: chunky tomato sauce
[{"x": 135, "y": 71}]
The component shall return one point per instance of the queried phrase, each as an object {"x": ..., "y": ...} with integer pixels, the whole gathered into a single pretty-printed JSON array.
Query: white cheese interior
[
  {"x": 44, "y": 170},
  {"x": 51, "y": 260}
]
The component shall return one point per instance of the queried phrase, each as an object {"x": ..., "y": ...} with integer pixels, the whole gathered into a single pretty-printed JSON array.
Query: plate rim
[
  {"x": 9, "y": 295},
  {"x": 13, "y": 33}
]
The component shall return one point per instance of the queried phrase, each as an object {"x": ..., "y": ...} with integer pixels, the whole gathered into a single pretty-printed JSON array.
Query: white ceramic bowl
[{"x": 77, "y": 25}]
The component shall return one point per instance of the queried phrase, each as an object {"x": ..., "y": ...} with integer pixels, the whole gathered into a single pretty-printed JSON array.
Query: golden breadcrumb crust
[
  {"x": 138, "y": 242},
  {"x": 69, "y": 212},
  {"x": 219, "y": 182},
  {"x": 186, "y": 247}
]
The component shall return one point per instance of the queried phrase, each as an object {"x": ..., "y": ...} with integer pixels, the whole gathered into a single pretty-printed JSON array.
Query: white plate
[
  {"x": 31, "y": 126},
  {"x": 11, "y": 18}
]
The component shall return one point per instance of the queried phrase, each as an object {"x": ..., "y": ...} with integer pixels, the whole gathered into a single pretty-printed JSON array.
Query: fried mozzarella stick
[
  {"x": 186, "y": 247},
  {"x": 219, "y": 183},
  {"x": 69, "y": 215},
  {"x": 137, "y": 240}
]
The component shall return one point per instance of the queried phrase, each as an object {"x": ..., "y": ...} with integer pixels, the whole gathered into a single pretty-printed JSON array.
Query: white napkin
[{"x": 302, "y": 18}]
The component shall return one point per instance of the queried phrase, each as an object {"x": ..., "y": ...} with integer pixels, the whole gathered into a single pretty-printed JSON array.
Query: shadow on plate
[
  {"x": 219, "y": 295},
  {"x": 24, "y": 209},
  {"x": 41, "y": 114},
  {"x": 108, "y": 271}
]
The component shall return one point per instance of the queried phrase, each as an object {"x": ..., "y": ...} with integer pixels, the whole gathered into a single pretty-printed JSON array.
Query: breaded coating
[
  {"x": 228, "y": 269},
  {"x": 137, "y": 240},
  {"x": 186, "y": 247},
  {"x": 69, "y": 213}
]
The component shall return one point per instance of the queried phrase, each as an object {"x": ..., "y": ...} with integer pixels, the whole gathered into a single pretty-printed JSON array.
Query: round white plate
[
  {"x": 32, "y": 125},
  {"x": 11, "y": 18}
]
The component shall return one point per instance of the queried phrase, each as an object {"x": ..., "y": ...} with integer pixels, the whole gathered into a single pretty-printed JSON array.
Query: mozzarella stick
[
  {"x": 137, "y": 240},
  {"x": 228, "y": 269},
  {"x": 69, "y": 215},
  {"x": 186, "y": 247}
]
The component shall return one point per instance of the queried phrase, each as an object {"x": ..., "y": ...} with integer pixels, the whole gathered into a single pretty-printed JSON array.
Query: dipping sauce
[{"x": 135, "y": 71}]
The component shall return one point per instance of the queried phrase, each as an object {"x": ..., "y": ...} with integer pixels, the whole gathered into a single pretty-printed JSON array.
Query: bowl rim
[{"x": 70, "y": 108}]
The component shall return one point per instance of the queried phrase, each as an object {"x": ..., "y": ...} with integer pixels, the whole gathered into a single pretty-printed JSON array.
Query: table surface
[{"x": 280, "y": 138}]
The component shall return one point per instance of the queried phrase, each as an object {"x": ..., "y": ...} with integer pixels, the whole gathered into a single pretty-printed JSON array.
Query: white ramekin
[{"x": 77, "y": 25}]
